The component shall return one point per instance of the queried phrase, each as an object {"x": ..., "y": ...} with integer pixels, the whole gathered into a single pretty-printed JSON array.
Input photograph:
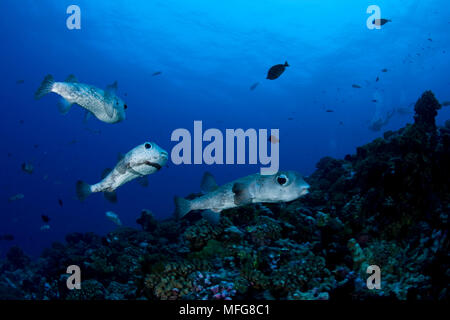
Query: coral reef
[{"x": 387, "y": 205}]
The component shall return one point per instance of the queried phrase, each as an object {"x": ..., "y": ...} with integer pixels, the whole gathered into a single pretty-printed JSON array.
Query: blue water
[{"x": 209, "y": 53}]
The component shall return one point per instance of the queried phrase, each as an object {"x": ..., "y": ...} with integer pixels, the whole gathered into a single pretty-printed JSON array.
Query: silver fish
[
  {"x": 114, "y": 218},
  {"x": 284, "y": 186},
  {"x": 104, "y": 104},
  {"x": 138, "y": 163}
]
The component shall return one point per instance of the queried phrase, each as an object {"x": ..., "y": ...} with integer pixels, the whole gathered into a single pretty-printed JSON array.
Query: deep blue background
[{"x": 210, "y": 53}]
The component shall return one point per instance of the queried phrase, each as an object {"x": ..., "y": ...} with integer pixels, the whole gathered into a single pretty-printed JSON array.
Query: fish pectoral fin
[
  {"x": 106, "y": 172},
  {"x": 211, "y": 216},
  {"x": 122, "y": 166},
  {"x": 71, "y": 78},
  {"x": 109, "y": 109},
  {"x": 110, "y": 196},
  {"x": 87, "y": 115},
  {"x": 143, "y": 181},
  {"x": 64, "y": 106},
  {"x": 208, "y": 183},
  {"x": 242, "y": 195}
]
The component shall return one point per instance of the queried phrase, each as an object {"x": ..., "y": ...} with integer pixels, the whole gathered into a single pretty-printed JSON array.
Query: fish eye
[
  {"x": 148, "y": 146},
  {"x": 125, "y": 106},
  {"x": 282, "y": 179}
]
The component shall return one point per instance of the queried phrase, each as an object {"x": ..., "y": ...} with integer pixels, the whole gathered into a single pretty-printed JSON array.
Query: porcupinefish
[
  {"x": 284, "y": 186},
  {"x": 138, "y": 163},
  {"x": 104, "y": 104}
]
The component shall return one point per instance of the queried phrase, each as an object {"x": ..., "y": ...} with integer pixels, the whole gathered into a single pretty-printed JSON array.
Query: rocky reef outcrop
[{"x": 386, "y": 205}]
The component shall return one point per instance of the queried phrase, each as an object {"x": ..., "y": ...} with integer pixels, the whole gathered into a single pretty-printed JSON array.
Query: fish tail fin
[
  {"x": 286, "y": 64},
  {"x": 83, "y": 190},
  {"x": 182, "y": 207},
  {"x": 110, "y": 196},
  {"x": 45, "y": 87}
]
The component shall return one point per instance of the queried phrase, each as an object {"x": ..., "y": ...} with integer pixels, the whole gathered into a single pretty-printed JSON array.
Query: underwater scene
[{"x": 225, "y": 150}]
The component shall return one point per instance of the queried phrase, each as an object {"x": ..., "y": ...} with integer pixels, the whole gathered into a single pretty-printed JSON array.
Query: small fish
[
  {"x": 20, "y": 81},
  {"x": 113, "y": 217},
  {"x": 284, "y": 186},
  {"x": 253, "y": 86},
  {"x": 141, "y": 161},
  {"x": 378, "y": 79},
  {"x": 72, "y": 142},
  {"x": 157, "y": 73},
  {"x": 403, "y": 111},
  {"x": 7, "y": 237},
  {"x": 276, "y": 71},
  {"x": 273, "y": 139},
  {"x": 290, "y": 118},
  {"x": 27, "y": 167},
  {"x": 380, "y": 22},
  {"x": 45, "y": 227},
  {"x": 375, "y": 100},
  {"x": 16, "y": 197},
  {"x": 341, "y": 123},
  {"x": 384, "y": 70},
  {"x": 45, "y": 218},
  {"x": 329, "y": 110},
  {"x": 60, "y": 202},
  {"x": 356, "y": 86},
  {"x": 104, "y": 104},
  {"x": 429, "y": 39},
  {"x": 94, "y": 131},
  {"x": 446, "y": 103}
]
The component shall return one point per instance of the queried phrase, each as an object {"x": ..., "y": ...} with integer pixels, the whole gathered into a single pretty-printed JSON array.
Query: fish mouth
[
  {"x": 304, "y": 191},
  {"x": 155, "y": 165}
]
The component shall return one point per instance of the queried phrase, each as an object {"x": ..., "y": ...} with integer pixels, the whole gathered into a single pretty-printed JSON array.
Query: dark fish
[
  {"x": 45, "y": 218},
  {"x": 429, "y": 39},
  {"x": 290, "y": 118},
  {"x": 27, "y": 167},
  {"x": 378, "y": 79},
  {"x": 276, "y": 71},
  {"x": 384, "y": 70},
  {"x": 329, "y": 110},
  {"x": 374, "y": 100},
  {"x": 341, "y": 123},
  {"x": 157, "y": 73},
  {"x": 7, "y": 237},
  {"x": 36, "y": 146},
  {"x": 253, "y": 87},
  {"x": 446, "y": 103},
  {"x": 380, "y": 22},
  {"x": 20, "y": 81},
  {"x": 356, "y": 86},
  {"x": 60, "y": 202}
]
